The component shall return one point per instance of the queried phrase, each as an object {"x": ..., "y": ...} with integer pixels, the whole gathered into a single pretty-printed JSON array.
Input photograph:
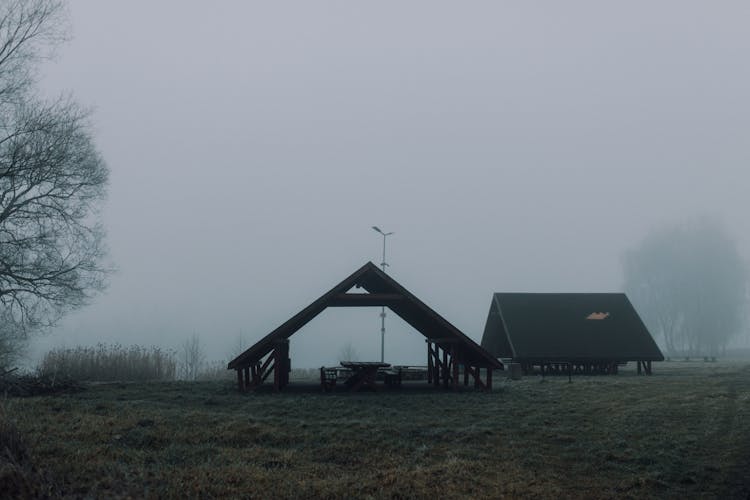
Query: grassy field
[{"x": 682, "y": 433}]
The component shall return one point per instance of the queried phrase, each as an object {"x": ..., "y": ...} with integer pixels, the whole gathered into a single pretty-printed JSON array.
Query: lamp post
[{"x": 383, "y": 264}]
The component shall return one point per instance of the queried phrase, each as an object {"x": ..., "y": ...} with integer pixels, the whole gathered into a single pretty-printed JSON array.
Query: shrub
[
  {"x": 27, "y": 384},
  {"x": 18, "y": 476}
]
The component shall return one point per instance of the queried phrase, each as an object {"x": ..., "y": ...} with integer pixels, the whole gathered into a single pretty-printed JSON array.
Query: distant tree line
[{"x": 690, "y": 286}]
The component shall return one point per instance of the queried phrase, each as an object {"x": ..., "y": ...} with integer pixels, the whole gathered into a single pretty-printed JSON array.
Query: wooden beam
[
  {"x": 365, "y": 299},
  {"x": 475, "y": 372},
  {"x": 262, "y": 378},
  {"x": 263, "y": 368}
]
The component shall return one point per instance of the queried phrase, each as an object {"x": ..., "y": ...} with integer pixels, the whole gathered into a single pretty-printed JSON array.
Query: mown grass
[{"x": 684, "y": 432}]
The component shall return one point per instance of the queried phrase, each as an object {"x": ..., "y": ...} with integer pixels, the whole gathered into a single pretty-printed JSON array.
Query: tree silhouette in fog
[
  {"x": 52, "y": 183},
  {"x": 689, "y": 284}
]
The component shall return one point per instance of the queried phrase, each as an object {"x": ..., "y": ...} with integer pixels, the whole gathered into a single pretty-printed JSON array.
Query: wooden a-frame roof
[
  {"x": 567, "y": 327},
  {"x": 382, "y": 291}
]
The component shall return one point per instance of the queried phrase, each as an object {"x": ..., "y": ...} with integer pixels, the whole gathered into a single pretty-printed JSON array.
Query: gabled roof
[
  {"x": 383, "y": 291},
  {"x": 567, "y": 326}
]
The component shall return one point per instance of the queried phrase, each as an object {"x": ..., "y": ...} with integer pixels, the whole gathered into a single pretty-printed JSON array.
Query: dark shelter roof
[
  {"x": 383, "y": 291},
  {"x": 567, "y": 326}
]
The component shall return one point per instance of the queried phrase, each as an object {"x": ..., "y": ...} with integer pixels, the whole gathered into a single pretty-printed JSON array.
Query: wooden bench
[
  {"x": 328, "y": 378},
  {"x": 392, "y": 377}
]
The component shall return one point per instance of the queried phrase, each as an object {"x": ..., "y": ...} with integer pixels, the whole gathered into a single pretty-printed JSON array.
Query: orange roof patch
[{"x": 598, "y": 315}]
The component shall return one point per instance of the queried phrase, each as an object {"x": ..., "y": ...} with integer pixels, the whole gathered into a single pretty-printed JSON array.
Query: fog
[{"x": 510, "y": 146}]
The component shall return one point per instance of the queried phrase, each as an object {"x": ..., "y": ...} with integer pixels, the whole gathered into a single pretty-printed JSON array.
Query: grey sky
[{"x": 512, "y": 146}]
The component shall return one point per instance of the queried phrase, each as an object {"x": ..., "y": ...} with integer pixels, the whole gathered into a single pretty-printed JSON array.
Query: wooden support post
[
  {"x": 475, "y": 372},
  {"x": 436, "y": 362},
  {"x": 489, "y": 378},
  {"x": 454, "y": 360},
  {"x": 639, "y": 366},
  {"x": 466, "y": 373},
  {"x": 648, "y": 367},
  {"x": 254, "y": 374},
  {"x": 281, "y": 364},
  {"x": 276, "y": 369},
  {"x": 429, "y": 362},
  {"x": 286, "y": 363},
  {"x": 446, "y": 372},
  {"x": 439, "y": 368}
]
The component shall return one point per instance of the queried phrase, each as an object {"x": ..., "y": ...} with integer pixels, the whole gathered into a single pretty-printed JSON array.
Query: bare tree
[
  {"x": 52, "y": 182},
  {"x": 11, "y": 342},
  {"x": 30, "y": 30},
  {"x": 689, "y": 283},
  {"x": 238, "y": 347},
  {"x": 192, "y": 358},
  {"x": 348, "y": 353}
]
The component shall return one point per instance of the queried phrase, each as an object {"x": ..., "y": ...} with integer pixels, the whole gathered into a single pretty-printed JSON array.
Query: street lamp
[{"x": 383, "y": 264}]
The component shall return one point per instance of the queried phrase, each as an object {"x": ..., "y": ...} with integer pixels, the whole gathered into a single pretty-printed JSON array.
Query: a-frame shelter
[
  {"x": 447, "y": 347},
  {"x": 584, "y": 332}
]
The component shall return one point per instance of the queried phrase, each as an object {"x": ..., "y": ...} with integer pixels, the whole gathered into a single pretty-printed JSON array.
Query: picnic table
[{"x": 363, "y": 374}]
